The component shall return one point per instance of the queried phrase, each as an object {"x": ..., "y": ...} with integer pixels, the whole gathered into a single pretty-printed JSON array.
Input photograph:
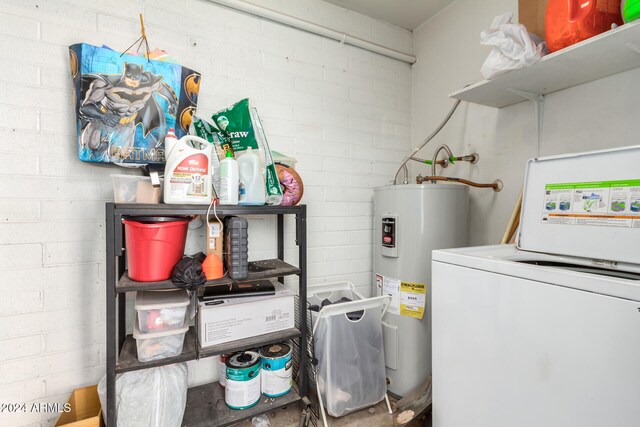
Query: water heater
[{"x": 410, "y": 221}]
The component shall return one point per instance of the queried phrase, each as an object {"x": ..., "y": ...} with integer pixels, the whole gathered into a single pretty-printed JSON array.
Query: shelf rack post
[
  {"x": 110, "y": 229},
  {"x": 301, "y": 241},
  {"x": 280, "y": 233}
]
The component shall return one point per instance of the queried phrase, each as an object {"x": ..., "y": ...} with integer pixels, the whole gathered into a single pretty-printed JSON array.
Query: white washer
[{"x": 547, "y": 334}]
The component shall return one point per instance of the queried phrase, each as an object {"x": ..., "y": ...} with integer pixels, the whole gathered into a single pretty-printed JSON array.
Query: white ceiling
[{"x": 407, "y": 14}]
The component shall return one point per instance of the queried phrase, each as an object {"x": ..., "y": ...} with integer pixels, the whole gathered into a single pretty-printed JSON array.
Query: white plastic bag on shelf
[
  {"x": 513, "y": 47},
  {"x": 154, "y": 397}
]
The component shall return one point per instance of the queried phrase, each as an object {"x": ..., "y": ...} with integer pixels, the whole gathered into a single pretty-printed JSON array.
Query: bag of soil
[{"x": 241, "y": 129}]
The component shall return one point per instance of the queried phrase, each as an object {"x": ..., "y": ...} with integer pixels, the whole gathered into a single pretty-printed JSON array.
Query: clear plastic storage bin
[
  {"x": 159, "y": 345},
  {"x": 161, "y": 310},
  {"x": 135, "y": 189}
]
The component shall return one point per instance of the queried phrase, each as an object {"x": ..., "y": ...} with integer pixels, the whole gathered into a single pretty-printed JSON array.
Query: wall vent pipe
[{"x": 310, "y": 27}]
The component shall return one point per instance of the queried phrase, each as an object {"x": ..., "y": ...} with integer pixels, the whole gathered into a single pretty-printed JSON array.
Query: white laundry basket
[{"x": 347, "y": 342}]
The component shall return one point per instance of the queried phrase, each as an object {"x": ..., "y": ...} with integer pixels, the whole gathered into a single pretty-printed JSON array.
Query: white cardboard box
[{"x": 245, "y": 317}]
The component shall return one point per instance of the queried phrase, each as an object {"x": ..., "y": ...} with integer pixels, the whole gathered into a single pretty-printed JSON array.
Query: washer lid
[
  {"x": 511, "y": 265},
  {"x": 583, "y": 205}
]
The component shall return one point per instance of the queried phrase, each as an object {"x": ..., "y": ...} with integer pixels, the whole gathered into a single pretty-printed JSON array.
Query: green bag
[
  {"x": 235, "y": 124},
  {"x": 237, "y": 129}
]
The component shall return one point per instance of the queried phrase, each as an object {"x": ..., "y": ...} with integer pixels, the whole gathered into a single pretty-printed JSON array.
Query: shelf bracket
[{"x": 538, "y": 101}]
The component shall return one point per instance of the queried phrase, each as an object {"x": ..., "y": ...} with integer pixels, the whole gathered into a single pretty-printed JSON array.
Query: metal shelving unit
[{"x": 205, "y": 403}]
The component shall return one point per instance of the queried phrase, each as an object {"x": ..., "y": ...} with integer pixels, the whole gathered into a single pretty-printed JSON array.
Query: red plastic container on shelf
[
  {"x": 154, "y": 246},
  {"x": 570, "y": 21}
]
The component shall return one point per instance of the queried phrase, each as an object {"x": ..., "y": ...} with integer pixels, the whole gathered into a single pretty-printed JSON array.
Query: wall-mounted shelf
[{"x": 604, "y": 55}]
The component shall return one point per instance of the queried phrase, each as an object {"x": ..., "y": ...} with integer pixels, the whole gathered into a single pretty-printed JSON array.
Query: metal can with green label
[
  {"x": 277, "y": 369},
  {"x": 242, "y": 388}
]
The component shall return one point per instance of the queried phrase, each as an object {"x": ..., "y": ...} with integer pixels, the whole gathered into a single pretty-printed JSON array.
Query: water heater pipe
[
  {"x": 426, "y": 141},
  {"x": 310, "y": 27},
  {"x": 496, "y": 185},
  {"x": 434, "y": 161},
  {"x": 471, "y": 158}
]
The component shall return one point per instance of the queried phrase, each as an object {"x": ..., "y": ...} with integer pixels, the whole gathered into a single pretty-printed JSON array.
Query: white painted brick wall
[{"x": 343, "y": 112}]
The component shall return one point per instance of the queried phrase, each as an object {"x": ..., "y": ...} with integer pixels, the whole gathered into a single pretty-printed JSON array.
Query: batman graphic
[{"x": 114, "y": 105}]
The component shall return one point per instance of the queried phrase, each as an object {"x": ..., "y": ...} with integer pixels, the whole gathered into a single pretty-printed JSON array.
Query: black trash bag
[
  {"x": 188, "y": 274},
  {"x": 200, "y": 257}
]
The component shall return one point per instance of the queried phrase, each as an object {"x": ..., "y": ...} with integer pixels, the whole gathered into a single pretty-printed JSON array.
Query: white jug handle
[{"x": 195, "y": 138}]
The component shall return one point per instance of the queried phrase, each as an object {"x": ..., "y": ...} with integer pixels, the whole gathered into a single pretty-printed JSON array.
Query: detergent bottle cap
[
  {"x": 171, "y": 132},
  {"x": 229, "y": 154}
]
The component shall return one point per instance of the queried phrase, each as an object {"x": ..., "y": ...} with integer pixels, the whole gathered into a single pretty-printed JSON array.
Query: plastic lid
[
  {"x": 149, "y": 300},
  {"x": 140, "y": 336},
  {"x": 229, "y": 154},
  {"x": 244, "y": 359}
]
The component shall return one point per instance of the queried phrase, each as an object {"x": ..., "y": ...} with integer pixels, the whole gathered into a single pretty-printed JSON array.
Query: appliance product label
[
  {"x": 407, "y": 298},
  {"x": 412, "y": 299},
  {"x": 600, "y": 203}
]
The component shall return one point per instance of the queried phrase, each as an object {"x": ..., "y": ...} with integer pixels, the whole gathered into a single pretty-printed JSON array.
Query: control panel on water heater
[{"x": 389, "y": 236}]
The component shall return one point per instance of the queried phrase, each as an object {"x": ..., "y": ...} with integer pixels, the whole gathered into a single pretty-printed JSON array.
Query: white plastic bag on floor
[
  {"x": 513, "y": 47},
  {"x": 154, "y": 397}
]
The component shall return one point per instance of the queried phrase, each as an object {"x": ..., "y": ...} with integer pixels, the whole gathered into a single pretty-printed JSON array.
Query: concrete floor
[{"x": 368, "y": 417}]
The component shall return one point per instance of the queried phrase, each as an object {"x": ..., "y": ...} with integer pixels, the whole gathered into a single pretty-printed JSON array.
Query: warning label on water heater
[
  {"x": 600, "y": 203},
  {"x": 407, "y": 298},
  {"x": 413, "y": 297}
]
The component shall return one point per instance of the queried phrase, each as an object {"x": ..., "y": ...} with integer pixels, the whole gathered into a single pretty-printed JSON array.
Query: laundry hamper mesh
[{"x": 347, "y": 341}]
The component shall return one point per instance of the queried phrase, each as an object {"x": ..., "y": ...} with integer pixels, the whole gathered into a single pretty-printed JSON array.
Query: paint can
[
  {"x": 277, "y": 369},
  {"x": 222, "y": 368},
  {"x": 242, "y": 388}
]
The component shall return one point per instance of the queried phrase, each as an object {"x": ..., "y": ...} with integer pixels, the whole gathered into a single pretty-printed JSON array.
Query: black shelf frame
[
  {"x": 279, "y": 267},
  {"x": 121, "y": 349}
]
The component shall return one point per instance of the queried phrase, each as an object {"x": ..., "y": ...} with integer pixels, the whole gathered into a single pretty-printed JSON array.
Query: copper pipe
[{"x": 496, "y": 185}]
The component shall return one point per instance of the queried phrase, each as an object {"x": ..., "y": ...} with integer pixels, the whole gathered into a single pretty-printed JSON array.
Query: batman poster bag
[{"x": 126, "y": 104}]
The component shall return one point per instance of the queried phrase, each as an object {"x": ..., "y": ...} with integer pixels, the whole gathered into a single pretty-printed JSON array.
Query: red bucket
[{"x": 154, "y": 248}]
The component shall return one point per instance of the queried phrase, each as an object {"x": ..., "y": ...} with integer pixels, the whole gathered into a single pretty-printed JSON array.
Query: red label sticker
[{"x": 198, "y": 163}]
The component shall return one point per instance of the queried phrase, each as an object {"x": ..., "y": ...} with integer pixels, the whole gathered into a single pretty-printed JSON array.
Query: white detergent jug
[
  {"x": 187, "y": 172},
  {"x": 252, "y": 188}
]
